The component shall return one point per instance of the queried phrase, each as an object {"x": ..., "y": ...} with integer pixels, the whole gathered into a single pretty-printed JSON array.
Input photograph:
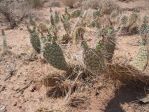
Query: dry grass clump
[
  {"x": 61, "y": 89},
  {"x": 58, "y": 86},
  {"x": 78, "y": 101},
  {"x": 52, "y": 80}
]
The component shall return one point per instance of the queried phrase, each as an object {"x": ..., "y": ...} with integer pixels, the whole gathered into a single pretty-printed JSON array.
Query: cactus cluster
[
  {"x": 96, "y": 60},
  {"x": 108, "y": 43},
  {"x": 129, "y": 25},
  {"x": 144, "y": 30},
  {"x": 93, "y": 59},
  {"x": 141, "y": 60}
]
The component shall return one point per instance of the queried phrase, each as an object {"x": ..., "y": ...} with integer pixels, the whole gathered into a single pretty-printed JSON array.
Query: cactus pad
[
  {"x": 141, "y": 60},
  {"x": 76, "y": 13},
  {"x": 108, "y": 43},
  {"x": 54, "y": 55},
  {"x": 93, "y": 60},
  {"x": 34, "y": 39}
]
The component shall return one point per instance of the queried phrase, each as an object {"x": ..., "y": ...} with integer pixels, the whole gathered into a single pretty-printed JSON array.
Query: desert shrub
[{"x": 14, "y": 11}]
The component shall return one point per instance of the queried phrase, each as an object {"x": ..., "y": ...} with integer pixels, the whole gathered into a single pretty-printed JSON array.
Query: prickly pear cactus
[
  {"x": 96, "y": 13},
  {"x": 124, "y": 25},
  {"x": 124, "y": 21},
  {"x": 54, "y": 55},
  {"x": 93, "y": 59},
  {"x": 66, "y": 15},
  {"x": 52, "y": 21},
  {"x": 108, "y": 43},
  {"x": 75, "y": 13},
  {"x": 66, "y": 24},
  {"x": 78, "y": 33},
  {"x": 144, "y": 29},
  {"x": 56, "y": 17},
  {"x": 34, "y": 39},
  {"x": 141, "y": 60}
]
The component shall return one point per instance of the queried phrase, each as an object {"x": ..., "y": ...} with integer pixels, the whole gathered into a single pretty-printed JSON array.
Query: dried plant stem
[
  {"x": 4, "y": 38},
  {"x": 42, "y": 48},
  {"x": 70, "y": 89}
]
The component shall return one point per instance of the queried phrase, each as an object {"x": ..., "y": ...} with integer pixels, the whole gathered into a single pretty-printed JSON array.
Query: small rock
[
  {"x": 2, "y": 88},
  {"x": 144, "y": 100},
  {"x": 15, "y": 104},
  {"x": 2, "y": 108},
  {"x": 33, "y": 89}
]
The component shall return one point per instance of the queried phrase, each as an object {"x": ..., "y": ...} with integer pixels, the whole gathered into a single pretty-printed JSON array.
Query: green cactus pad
[
  {"x": 34, "y": 39},
  {"x": 93, "y": 60},
  {"x": 124, "y": 20},
  {"x": 141, "y": 60},
  {"x": 76, "y": 13},
  {"x": 108, "y": 43},
  {"x": 54, "y": 55}
]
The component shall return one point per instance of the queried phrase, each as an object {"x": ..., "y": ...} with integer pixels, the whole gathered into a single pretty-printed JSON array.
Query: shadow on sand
[{"x": 126, "y": 94}]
